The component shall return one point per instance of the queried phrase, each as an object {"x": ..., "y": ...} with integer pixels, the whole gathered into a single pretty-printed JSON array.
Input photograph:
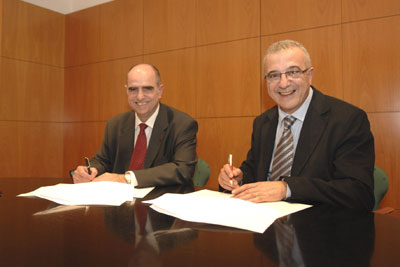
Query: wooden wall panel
[
  {"x": 32, "y": 33},
  {"x": 121, "y": 29},
  {"x": 228, "y": 79},
  {"x": 325, "y": 48},
  {"x": 168, "y": 24},
  {"x": 365, "y": 9},
  {"x": 81, "y": 97},
  {"x": 81, "y": 140},
  {"x": 178, "y": 74},
  {"x": 386, "y": 130},
  {"x": 1, "y": 27},
  {"x": 10, "y": 147},
  {"x": 31, "y": 149},
  {"x": 31, "y": 92},
  {"x": 224, "y": 20},
  {"x": 285, "y": 16},
  {"x": 96, "y": 92},
  {"x": 219, "y": 137},
  {"x": 82, "y": 37},
  {"x": 371, "y": 64}
]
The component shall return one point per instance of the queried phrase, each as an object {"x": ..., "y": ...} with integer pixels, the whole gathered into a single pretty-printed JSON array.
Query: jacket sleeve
[{"x": 105, "y": 156}]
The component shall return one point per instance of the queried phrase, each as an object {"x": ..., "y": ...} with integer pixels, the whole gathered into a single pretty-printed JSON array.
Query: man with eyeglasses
[
  {"x": 151, "y": 145},
  {"x": 310, "y": 147}
]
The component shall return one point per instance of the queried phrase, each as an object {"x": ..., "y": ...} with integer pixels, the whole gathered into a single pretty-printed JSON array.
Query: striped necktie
[{"x": 283, "y": 158}]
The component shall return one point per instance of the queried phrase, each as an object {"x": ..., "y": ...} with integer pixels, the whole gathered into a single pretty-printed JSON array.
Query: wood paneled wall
[
  {"x": 209, "y": 53},
  {"x": 31, "y": 90}
]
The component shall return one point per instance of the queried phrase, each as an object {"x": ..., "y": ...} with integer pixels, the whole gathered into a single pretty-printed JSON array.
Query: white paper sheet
[
  {"x": 213, "y": 207},
  {"x": 96, "y": 193}
]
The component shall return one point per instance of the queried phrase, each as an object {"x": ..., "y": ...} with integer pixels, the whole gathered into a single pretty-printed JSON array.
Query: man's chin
[
  {"x": 286, "y": 106},
  {"x": 140, "y": 109}
]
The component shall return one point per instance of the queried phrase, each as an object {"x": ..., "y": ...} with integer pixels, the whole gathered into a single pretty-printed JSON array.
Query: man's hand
[
  {"x": 225, "y": 175},
  {"x": 261, "y": 191},
  {"x": 81, "y": 175},
  {"x": 111, "y": 177}
]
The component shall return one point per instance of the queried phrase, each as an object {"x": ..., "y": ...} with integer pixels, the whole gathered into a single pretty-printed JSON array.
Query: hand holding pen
[
  {"x": 230, "y": 177},
  {"x": 83, "y": 174},
  {"x": 88, "y": 165},
  {"x": 231, "y": 167}
]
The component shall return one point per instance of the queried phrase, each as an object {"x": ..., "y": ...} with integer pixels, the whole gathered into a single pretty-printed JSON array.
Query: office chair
[
  {"x": 381, "y": 184},
  {"x": 201, "y": 173}
]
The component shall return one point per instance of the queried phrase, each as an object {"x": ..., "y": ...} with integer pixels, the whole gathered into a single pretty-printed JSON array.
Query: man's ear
[
  {"x": 161, "y": 88},
  {"x": 310, "y": 74}
]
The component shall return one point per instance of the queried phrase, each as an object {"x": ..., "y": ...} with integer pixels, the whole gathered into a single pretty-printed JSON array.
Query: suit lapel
[
  {"x": 157, "y": 135},
  {"x": 313, "y": 128},
  {"x": 126, "y": 140},
  {"x": 268, "y": 134}
]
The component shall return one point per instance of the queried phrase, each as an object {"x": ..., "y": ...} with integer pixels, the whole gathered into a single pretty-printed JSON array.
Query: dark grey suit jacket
[
  {"x": 171, "y": 154},
  {"x": 334, "y": 158}
]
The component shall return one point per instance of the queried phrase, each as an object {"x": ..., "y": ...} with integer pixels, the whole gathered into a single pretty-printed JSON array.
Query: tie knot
[
  {"x": 288, "y": 121},
  {"x": 143, "y": 126}
]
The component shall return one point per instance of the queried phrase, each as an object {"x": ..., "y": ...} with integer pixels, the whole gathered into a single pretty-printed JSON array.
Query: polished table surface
[{"x": 109, "y": 236}]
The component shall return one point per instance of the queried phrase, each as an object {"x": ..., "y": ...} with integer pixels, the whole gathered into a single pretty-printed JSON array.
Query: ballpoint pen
[
  {"x": 88, "y": 165},
  {"x": 231, "y": 167}
]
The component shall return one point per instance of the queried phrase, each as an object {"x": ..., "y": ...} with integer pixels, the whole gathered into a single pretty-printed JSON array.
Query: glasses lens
[
  {"x": 292, "y": 74},
  {"x": 273, "y": 76}
]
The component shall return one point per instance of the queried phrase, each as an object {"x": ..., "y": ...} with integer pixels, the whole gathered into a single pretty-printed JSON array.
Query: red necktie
[
  {"x": 139, "y": 152},
  {"x": 141, "y": 217}
]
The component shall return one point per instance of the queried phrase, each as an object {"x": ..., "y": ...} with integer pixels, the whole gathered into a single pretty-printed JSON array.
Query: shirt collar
[
  {"x": 150, "y": 122},
  {"x": 301, "y": 112}
]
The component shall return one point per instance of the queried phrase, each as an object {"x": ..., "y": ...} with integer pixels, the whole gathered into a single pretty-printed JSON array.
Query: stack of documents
[
  {"x": 94, "y": 193},
  {"x": 213, "y": 207}
]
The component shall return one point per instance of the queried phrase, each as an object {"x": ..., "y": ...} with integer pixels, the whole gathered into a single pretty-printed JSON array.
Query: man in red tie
[{"x": 152, "y": 145}]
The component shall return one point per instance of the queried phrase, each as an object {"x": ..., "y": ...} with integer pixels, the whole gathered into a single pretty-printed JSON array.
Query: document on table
[
  {"x": 213, "y": 207},
  {"x": 95, "y": 193}
]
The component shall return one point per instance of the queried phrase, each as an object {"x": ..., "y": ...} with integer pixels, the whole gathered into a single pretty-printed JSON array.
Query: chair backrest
[
  {"x": 381, "y": 185},
  {"x": 201, "y": 173}
]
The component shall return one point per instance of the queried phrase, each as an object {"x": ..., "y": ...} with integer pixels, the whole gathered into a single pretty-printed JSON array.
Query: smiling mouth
[
  {"x": 287, "y": 93},
  {"x": 141, "y": 103}
]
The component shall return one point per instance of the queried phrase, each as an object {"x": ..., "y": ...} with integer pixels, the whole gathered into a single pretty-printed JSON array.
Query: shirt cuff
[
  {"x": 134, "y": 182},
  {"x": 288, "y": 192}
]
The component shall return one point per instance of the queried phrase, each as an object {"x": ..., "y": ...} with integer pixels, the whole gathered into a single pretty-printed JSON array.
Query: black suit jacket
[
  {"x": 334, "y": 158},
  {"x": 171, "y": 153}
]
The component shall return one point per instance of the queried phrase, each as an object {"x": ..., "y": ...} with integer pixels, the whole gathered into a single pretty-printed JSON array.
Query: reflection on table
[
  {"x": 321, "y": 236},
  {"x": 150, "y": 232},
  {"x": 116, "y": 236}
]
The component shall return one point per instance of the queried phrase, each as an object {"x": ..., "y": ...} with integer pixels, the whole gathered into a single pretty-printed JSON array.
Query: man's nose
[
  {"x": 140, "y": 93},
  {"x": 284, "y": 81}
]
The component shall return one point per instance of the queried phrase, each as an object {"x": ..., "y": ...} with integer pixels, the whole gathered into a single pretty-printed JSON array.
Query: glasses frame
[{"x": 286, "y": 74}]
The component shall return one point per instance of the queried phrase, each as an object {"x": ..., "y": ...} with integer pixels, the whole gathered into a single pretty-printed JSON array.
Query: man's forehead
[
  {"x": 284, "y": 59},
  {"x": 141, "y": 76}
]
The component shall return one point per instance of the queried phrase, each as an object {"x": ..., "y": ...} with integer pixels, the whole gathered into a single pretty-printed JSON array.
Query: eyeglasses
[{"x": 292, "y": 74}]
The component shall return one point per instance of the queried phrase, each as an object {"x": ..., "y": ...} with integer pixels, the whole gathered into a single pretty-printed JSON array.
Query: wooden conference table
[{"x": 110, "y": 236}]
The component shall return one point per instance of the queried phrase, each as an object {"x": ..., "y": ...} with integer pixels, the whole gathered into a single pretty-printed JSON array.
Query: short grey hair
[{"x": 284, "y": 45}]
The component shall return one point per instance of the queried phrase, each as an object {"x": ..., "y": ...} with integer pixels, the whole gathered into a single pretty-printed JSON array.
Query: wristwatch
[{"x": 128, "y": 177}]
